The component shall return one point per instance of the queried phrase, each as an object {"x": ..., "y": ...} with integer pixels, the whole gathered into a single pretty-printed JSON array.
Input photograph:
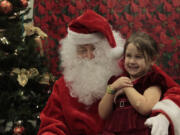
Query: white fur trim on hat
[
  {"x": 172, "y": 110},
  {"x": 117, "y": 52},
  {"x": 80, "y": 38}
]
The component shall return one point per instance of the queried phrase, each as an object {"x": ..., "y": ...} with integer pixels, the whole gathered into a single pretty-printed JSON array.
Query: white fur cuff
[{"x": 172, "y": 110}]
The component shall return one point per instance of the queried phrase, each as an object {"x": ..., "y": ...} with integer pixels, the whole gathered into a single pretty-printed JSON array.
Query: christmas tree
[{"x": 25, "y": 80}]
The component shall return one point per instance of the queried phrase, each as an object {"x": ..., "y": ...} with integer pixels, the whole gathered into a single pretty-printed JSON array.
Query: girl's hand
[{"x": 121, "y": 83}]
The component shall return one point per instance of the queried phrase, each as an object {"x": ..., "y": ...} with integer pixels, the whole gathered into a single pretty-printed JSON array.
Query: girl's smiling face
[{"x": 135, "y": 63}]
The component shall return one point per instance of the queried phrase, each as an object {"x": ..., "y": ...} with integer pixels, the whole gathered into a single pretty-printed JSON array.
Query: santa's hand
[{"x": 159, "y": 125}]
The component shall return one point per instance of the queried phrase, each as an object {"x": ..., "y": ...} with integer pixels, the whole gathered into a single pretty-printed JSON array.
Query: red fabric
[
  {"x": 64, "y": 115},
  {"x": 91, "y": 22},
  {"x": 169, "y": 82},
  {"x": 174, "y": 95},
  {"x": 126, "y": 120}
]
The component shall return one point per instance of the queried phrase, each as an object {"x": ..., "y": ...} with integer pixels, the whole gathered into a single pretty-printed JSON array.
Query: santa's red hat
[{"x": 91, "y": 27}]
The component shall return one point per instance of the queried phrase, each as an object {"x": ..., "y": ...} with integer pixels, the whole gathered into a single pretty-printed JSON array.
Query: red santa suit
[{"x": 64, "y": 115}]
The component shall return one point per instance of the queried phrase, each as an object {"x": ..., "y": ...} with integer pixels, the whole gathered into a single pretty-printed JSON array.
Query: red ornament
[
  {"x": 18, "y": 130},
  {"x": 5, "y": 7},
  {"x": 24, "y": 3}
]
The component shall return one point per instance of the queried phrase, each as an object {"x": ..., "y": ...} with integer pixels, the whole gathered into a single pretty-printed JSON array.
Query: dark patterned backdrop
[{"x": 161, "y": 18}]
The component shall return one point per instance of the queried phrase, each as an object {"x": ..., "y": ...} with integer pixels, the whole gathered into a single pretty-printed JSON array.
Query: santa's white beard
[{"x": 87, "y": 80}]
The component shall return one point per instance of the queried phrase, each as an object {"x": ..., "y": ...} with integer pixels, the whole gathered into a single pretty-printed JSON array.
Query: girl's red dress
[{"x": 125, "y": 120}]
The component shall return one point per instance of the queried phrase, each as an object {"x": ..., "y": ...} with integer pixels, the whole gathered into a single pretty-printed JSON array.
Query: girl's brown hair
[{"x": 144, "y": 43}]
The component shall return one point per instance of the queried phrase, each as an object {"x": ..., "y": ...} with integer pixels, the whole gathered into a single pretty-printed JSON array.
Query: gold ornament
[
  {"x": 45, "y": 79},
  {"x": 33, "y": 72},
  {"x": 24, "y": 75},
  {"x": 22, "y": 79}
]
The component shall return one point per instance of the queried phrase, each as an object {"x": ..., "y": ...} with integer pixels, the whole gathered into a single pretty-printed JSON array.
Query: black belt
[{"x": 122, "y": 103}]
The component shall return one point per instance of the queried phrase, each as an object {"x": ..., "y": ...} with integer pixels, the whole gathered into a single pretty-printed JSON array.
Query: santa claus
[{"x": 89, "y": 56}]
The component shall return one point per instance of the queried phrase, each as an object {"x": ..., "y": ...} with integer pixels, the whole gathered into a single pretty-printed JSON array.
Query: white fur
[
  {"x": 80, "y": 38},
  {"x": 172, "y": 110}
]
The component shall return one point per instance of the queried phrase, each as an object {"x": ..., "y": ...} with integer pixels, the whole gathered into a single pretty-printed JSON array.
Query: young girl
[{"x": 129, "y": 99}]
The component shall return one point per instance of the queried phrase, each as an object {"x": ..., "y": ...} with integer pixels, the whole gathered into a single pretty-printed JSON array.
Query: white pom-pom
[{"x": 117, "y": 52}]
